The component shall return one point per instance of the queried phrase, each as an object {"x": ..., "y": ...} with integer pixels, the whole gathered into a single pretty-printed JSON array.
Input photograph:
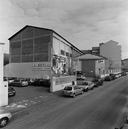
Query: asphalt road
[{"x": 100, "y": 108}]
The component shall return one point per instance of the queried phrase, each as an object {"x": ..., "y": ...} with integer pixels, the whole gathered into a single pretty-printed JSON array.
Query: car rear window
[{"x": 68, "y": 88}]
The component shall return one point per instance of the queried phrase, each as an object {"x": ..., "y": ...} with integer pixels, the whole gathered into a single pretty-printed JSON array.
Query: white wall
[
  {"x": 3, "y": 85},
  {"x": 58, "y": 83},
  {"x": 27, "y": 70}
]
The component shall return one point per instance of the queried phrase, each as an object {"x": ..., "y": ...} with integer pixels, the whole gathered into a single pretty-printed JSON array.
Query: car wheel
[
  {"x": 3, "y": 122},
  {"x": 86, "y": 89},
  {"x": 74, "y": 95}
]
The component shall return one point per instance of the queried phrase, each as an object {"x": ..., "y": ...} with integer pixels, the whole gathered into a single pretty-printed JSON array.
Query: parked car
[
  {"x": 79, "y": 75},
  {"x": 11, "y": 91},
  {"x": 72, "y": 91},
  {"x": 113, "y": 76},
  {"x": 108, "y": 78},
  {"x": 11, "y": 79},
  {"x": 46, "y": 82},
  {"x": 97, "y": 82},
  {"x": 123, "y": 73},
  {"x": 38, "y": 82},
  {"x": 4, "y": 118},
  {"x": 19, "y": 83},
  {"x": 86, "y": 85},
  {"x": 41, "y": 82},
  {"x": 118, "y": 75}
]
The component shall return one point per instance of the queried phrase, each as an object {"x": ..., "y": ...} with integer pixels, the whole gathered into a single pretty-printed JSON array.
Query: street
[{"x": 100, "y": 108}]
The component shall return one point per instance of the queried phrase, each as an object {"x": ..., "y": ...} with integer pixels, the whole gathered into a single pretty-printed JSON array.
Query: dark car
[
  {"x": 113, "y": 76},
  {"x": 97, "y": 82},
  {"x": 123, "y": 73},
  {"x": 38, "y": 82},
  {"x": 108, "y": 78},
  {"x": 46, "y": 82},
  {"x": 41, "y": 82},
  {"x": 79, "y": 75},
  {"x": 11, "y": 91}
]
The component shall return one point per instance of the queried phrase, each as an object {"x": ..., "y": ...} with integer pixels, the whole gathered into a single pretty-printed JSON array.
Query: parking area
[{"x": 29, "y": 92}]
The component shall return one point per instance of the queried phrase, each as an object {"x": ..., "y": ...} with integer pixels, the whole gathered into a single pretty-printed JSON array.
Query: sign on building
[{"x": 42, "y": 66}]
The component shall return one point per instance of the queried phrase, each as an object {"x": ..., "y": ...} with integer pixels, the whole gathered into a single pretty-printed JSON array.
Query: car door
[
  {"x": 75, "y": 90},
  {"x": 79, "y": 90},
  {"x": 89, "y": 86},
  {"x": 92, "y": 84}
]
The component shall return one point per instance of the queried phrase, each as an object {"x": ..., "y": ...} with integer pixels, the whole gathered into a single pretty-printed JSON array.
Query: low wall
[{"x": 58, "y": 83}]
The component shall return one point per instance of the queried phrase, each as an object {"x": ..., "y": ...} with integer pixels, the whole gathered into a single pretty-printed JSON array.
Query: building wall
[
  {"x": 112, "y": 51},
  {"x": 28, "y": 70},
  {"x": 30, "y": 46},
  {"x": 100, "y": 68},
  {"x": 63, "y": 54}
]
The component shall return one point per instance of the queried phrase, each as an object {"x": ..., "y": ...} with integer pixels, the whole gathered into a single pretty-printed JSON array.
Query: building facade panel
[
  {"x": 112, "y": 51},
  {"x": 27, "y": 47},
  {"x": 41, "y": 32},
  {"x": 27, "y": 33}
]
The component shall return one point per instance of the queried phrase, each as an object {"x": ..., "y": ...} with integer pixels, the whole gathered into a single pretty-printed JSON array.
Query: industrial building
[
  {"x": 40, "y": 53},
  {"x": 90, "y": 65}
]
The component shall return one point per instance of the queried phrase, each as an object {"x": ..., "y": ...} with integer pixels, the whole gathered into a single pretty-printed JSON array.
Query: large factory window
[
  {"x": 27, "y": 33},
  {"x": 39, "y": 32},
  {"x": 15, "y": 48},
  {"x": 40, "y": 57},
  {"x": 15, "y": 59},
  {"x": 27, "y": 47},
  {"x": 41, "y": 44},
  {"x": 27, "y": 58}
]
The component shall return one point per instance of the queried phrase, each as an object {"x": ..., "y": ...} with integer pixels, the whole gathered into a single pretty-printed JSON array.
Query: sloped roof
[
  {"x": 45, "y": 29},
  {"x": 90, "y": 56}
]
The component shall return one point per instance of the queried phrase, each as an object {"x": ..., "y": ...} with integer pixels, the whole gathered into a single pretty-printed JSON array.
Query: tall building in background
[{"x": 112, "y": 51}]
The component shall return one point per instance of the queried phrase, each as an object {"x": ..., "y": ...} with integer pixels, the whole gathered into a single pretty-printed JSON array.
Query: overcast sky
[{"x": 84, "y": 23}]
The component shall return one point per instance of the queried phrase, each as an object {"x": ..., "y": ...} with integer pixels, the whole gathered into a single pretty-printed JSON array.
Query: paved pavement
[
  {"x": 30, "y": 96},
  {"x": 17, "y": 104},
  {"x": 100, "y": 108}
]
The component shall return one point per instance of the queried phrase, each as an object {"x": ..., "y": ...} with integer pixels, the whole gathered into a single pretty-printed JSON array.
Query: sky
[{"x": 84, "y": 23}]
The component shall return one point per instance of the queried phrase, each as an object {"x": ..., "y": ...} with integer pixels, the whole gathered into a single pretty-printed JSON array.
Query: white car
[
  {"x": 19, "y": 83},
  {"x": 87, "y": 85},
  {"x": 72, "y": 91},
  {"x": 4, "y": 118}
]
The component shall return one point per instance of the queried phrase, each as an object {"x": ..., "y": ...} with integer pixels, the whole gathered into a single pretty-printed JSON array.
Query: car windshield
[{"x": 68, "y": 88}]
